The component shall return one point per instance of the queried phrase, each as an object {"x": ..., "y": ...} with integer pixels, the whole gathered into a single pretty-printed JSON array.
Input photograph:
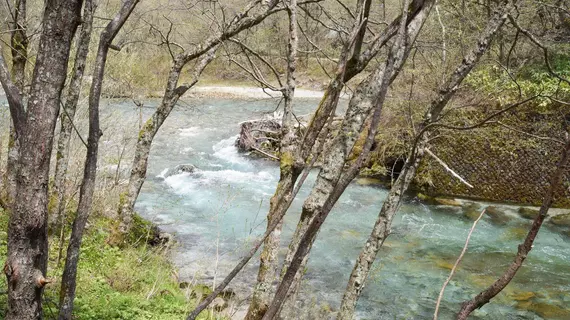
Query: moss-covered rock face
[{"x": 502, "y": 164}]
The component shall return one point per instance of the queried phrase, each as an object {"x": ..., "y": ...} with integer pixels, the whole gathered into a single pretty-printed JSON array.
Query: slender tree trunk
[
  {"x": 350, "y": 64},
  {"x": 364, "y": 100},
  {"x": 172, "y": 93},
  {"x": 69, "y": 277},
  {"x": 66, "y": 117},
  {"x": 243, "y": 20},
  {"x": 19, "y": 48},
  {"x": 26, "y": 263},
  {"x": 289, "y": 173},
  {"x": 381, "y": 230},
  {"x": 524, "y": 248}
]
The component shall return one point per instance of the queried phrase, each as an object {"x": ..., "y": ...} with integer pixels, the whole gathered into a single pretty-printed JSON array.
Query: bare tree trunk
[
  {"x": 243, "y": 20},
  {"x": 19, "y": 48},
  {"x": 172, "y": 93},
  {"x": 66, "y": 117},
  {"x": 350, "y": 64},
  {"x": 26, "y": 264},
  {"x": 365, "y": 99},
  {"x": 524, "y": 249},
  {"x": 289, "y": 173},
  {"x": 381, "y": 230},
  {"x": 69, "y": 277}
]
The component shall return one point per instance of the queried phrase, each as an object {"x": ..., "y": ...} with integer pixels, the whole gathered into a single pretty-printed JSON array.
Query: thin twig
[{"x": 456, "y": 264}]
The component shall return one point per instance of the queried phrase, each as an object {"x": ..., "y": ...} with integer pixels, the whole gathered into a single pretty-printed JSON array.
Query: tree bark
[
  {"x": 67, "y": 116},
  {"x": 172, "y": 93},
  {"x": 368, "y": 96},
  {"x": 19, "y": 48},
  {"x": 350, "y": 64},
  {"x": 289, "y": 173},
  {"x": 69, "y": 277},
  {"x": 381, "y": 229},
  {"x": 26, "y": 263},
  {"x": 524, "y": 248}
]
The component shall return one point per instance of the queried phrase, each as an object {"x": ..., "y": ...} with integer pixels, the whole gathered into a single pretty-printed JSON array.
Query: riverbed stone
[
  {"x": 447, "y": 202},
  {"x": 471, "y": 210},
  {"x": 528, "y": 213},
  {"x": 181, "y": 168},
  {"x": 561, "y": 220},
  {"x": 497, "y": 215}
]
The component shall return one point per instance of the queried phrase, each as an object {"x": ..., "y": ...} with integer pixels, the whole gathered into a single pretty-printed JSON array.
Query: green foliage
[
  {"x": 531, "y": 80},
  {"x": 113, "y": 283}
]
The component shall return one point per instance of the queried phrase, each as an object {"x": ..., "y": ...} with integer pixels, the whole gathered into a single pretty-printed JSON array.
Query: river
[{"x": 216, "y": 213}]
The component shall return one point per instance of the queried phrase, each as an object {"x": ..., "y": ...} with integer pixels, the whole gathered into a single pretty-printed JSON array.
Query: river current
[{"x": 216, "y": 212}]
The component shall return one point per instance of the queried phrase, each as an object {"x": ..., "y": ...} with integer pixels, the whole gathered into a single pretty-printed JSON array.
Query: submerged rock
[
  {"x": 497, "y": 215},
  {"x": 447, "y": 202},
  {"x": 528, "y": 213},
  {"x": 472, "y": 210},
  {"x": 181, "y": 168},
  {"x": 561, "y": 220}
]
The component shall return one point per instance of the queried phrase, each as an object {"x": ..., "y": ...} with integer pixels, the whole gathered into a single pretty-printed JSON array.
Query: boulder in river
[
  {"x": 472, "y": 210},
  {"x": 262, "y": 136},
  {"x": 528, "y": 213},
  {"x": 497, "y": 215},
  {"x": 181, "y": 168},
  {"x": 561, "y": 219}
]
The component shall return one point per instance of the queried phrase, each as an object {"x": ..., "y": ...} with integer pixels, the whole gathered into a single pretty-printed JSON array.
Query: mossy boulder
[
  {"x": 528, "y": 213},
  {"x": 447, "y": 202},
  {"x": 561, "y": 220},
  {"x": 471, "y": 210},
  {"x": 497, "y": 215},
  {"x": 425, "y": 198},
  {"x": 366, "y": 181}
]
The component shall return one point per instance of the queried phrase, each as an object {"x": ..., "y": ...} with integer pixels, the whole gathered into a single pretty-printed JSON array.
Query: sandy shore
[{"x": 250, "y": 92}]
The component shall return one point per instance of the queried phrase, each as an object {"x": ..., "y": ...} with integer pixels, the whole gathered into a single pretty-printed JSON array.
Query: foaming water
[{"x": 217, "y": 212}]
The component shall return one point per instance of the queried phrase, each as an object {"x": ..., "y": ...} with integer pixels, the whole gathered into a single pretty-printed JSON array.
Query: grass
[{"x": 113, "y": 283}]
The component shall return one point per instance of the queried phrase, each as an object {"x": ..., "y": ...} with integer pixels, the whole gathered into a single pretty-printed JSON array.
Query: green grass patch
[{"x": 113, "y": 283}]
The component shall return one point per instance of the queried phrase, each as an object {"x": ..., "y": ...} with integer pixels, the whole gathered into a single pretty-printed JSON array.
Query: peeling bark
[
  {"x": 69, "y": 277},
  {"x": 26, "y": 263},
  {"x": 68, "y": 114}
]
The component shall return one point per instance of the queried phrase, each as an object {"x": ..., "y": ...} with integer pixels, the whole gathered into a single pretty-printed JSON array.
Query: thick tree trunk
[
  {"x": 289, "y": 173},
  {"x": 68, "y": 114},
  {"x": 69, "y": 277},
  {"x": 381, "y": 229},
  {"x": 19, "y": 48},
  {"x": 26, "y": 263}
]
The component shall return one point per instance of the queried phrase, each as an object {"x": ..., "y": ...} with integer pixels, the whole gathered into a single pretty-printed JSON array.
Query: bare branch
[{"x": 452, "y": 272}]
